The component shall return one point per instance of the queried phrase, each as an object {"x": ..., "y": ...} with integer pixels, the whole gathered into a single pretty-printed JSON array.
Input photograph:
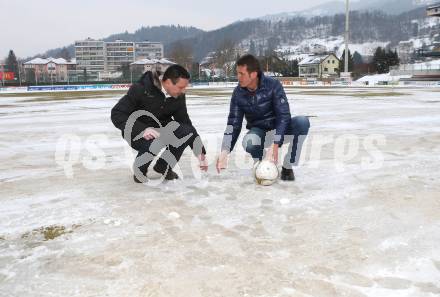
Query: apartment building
[
  {"x": 148, "y": 50},
  {"x": 90, "y": 58},
  {"x": 117, "y": 54},
  {"x": 97, "y": 59}
]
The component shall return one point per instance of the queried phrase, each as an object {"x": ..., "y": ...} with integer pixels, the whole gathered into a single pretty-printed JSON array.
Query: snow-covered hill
[
  {"x": 334, "y": 44},
  {"x": 330, "y": 8}
]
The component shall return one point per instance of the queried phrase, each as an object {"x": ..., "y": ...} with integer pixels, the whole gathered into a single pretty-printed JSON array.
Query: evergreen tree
[
  {"x": 195, "y": 68},
  {"x": 252, "y": 48},
  {"x": 357, "y": 58},
  {"x": 380, "y": 62},
  {"x": 11, "y": 63},
  {"x": 292, "y": 69},
  {"x": 383, "y": 60},
  {"x": 126, "y": 73},
  {"x": 393, "y": 58},
  {"x": 350, "y": 62},
  {"x": 261, "y": 50}
]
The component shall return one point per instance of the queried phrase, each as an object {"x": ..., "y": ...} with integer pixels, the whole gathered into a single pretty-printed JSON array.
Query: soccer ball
[{"x": 265, "y": 173}]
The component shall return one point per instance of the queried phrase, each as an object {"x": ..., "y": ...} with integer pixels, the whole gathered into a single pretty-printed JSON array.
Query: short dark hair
[
  {"x": 175, "y": 72},
  {"x": 251, "y": 63}
]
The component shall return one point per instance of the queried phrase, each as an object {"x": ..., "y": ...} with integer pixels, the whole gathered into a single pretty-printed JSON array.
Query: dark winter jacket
[
  {"x": 146, "y": 96},
  {"x": 266, "y": 108}
]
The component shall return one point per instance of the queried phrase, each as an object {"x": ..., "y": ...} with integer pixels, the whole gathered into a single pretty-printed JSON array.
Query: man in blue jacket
[{"x": 263, "y": 102}]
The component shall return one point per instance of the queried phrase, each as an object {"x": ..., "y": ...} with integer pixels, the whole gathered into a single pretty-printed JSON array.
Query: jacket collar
[{"x": 150, "y": 80}]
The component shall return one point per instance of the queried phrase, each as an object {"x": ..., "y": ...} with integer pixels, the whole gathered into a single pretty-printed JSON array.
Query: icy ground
[{"x": 362, "y": 218}]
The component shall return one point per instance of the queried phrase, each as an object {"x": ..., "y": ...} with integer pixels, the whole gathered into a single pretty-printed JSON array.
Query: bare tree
[
  {"x": 65, "y": 54},
  {"x": 225, "y": 52},
  {"x": 182, "y": 53},
  {"x": 225, "y": 56}
]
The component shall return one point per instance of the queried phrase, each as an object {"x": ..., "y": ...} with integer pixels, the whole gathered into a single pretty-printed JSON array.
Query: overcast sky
[{"x": 31, "y": 27}]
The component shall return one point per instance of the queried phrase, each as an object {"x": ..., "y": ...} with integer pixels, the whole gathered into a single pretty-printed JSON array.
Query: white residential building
[{"x": 319, "y": 66}]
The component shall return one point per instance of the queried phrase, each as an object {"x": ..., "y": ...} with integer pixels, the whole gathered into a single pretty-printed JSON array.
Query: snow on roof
[
  {"x": 374, "y": 79},
  {"x": 311, "y": 60},
  {"x": 37, "y": 61},
  {"x": 273, "y": 74},
  {"x": 59, "y": 61},
  {"x": 143, "y": 62},
  {"x": 298, "y": 57},
  {"x": 153, "y": 61},
  {"x": 40, "y": 61},
  {"x": 434, "y": 5},
  {"x": 165, "y": 61}
]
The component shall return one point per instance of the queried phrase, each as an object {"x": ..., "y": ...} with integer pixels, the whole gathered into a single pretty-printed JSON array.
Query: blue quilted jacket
[{"x": 266, "y": 108}]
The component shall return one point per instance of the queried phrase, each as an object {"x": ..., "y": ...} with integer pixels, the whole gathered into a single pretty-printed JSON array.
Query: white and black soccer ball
[{"x": 265, "y": 173}]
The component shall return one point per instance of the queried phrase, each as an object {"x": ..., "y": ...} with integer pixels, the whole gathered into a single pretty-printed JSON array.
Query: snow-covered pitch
[{"x": 361, "y": 219}]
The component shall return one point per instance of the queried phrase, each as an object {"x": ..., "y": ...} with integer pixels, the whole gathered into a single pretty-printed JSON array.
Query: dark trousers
[
  {"x": 257, "y": 139},
  {"x": 174, "y": 138}
]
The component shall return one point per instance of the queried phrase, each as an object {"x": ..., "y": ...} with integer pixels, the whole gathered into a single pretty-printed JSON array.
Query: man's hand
[
  {"x": 272, "y": 153},
  {"x": 222, "y": 161},
  {"x": 150, "y": 134},
  {"x": 203, "y": 163}
]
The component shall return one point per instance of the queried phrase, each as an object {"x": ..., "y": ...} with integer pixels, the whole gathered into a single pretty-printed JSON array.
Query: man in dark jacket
[
  {"x": 263, "y": 102},
  {"x": 150, "y": 121}
]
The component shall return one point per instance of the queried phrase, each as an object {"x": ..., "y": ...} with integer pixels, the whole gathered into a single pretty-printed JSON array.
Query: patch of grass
[
  {"x": 64, "y": 93},
  {"x": 351, "y": 94},
  {"x": 52, "y": 232},
  {"x": 49, "y": 232},
  {"x": 208, "y": 93},
  {"x": 55, "y": 96},
  {"x": 385, "y": 94},
  {"x": 320, "y": 93},
  {"x": 76, "y": 95}
]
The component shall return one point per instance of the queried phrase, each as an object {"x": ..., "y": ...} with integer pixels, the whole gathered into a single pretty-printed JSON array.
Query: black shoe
[
  {"x": 171, "y": 175},
  {"x": 287, "y": 174},
  {"x": 168, "y": 173},
  {"x": 140, "y": 174},
  {"x": 136, "y": 180}
]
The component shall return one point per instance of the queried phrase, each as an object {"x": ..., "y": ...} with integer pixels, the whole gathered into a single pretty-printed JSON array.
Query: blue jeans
[{"x": 257, "y": 139}]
